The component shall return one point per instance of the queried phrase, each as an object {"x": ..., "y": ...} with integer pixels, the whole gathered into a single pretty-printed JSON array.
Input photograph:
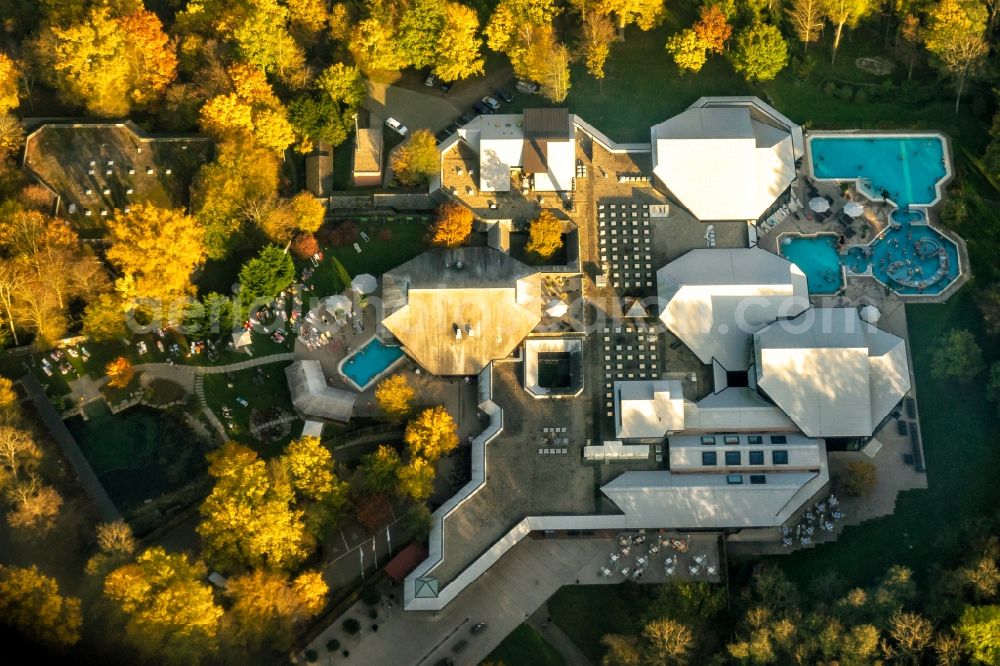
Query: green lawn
[
  {"x": 525, "y": 647},
  {"x": 263, "y": 388},
  {"x": 587, "y": 612},
  {"x": 394, "y": 240}
]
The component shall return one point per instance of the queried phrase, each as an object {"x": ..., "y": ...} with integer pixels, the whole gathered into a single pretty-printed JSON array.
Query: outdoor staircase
[{"x": 199, "y": 390}]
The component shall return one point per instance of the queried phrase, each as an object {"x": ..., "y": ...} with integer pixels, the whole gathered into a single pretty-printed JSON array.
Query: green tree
[
  {"x": 380, "y": 470},
  {"x": 31, "y": 603},
  {"x": 417, "y": 159},
  {"x": 993, "y": 384},
  {"x": 170, "y": 612},
  {"x": 417, "y": 522},
  {"x": 979, "y": 627},
  {"x": 761, "y": 52},
  {"x": 688, "y": 50},
  {"x": 958, "y": 357},
  {"x": 956, "y": 37},
  {"x": 210, "y": 317},
  {"x": 342, "y": 84},
  {"x": 267, "y": 275}
]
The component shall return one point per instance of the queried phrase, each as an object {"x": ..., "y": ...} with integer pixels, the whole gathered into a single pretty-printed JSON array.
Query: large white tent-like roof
[
  {"x": 832, "y": 373},
  {"x": 723, "y": 163},
  {"x": 716, "y": 299}
]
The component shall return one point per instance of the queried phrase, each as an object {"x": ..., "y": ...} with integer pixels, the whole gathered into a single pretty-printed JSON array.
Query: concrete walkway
[{"x": 540, "y": 621}]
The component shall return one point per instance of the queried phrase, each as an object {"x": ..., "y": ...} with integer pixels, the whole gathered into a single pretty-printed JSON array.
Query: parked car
[
  {"x": 527, "y": 87},
  {"x": 430, "y": 80},
  {"x": 478, "y": 627},
  {"x": 504, "y": 95},
  {"x": 490, "y": 102},
  {"x": 445, "y": 86},
  {"x": 396, "y": 126},
  {"x": 466, "y": 118},
  {"x": 482, "y": 109},
  {"x": 443, "y": 134}
]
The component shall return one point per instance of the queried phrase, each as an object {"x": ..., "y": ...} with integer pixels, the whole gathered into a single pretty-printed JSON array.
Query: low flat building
[
  {"x": 366, "y": 160},
  {"x": 648, "y": 409}
]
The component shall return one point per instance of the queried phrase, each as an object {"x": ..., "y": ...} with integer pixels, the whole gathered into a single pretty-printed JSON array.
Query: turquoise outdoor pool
[
  {"x": 364, "y": 365},
  {"x": 910, "y": 258},
  {"x": 905, "y": 169},
  {"x": 818, "y": 258}
]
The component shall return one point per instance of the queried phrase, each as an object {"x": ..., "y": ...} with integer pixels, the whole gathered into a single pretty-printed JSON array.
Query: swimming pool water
[
  {"x": 818, "y": 258},
  {"x": 364, "y": 365},
  {"x": 906, "y": 168}
]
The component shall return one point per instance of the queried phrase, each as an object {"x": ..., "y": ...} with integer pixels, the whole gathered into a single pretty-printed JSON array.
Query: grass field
[
  {"x": 394, "y": 240},
  {"x": 525, "y": 647},
  {"x": 587, "y": 612},
  {"x": 263, "y": 387}
]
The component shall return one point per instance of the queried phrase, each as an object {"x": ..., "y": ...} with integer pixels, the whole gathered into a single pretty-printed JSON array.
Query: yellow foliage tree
[
  {"x": 452, "y": 226},
  {"x": 647, "y": 14},
  {"x": 394, "y": 396},
  {"x": 171, "y": 614},
  {"x": 120, "y": 372},
  {"x": 31, "y": 603},
  {"x": 545, "y": 235},
  {"x": 308, "y": 212},
  {"x": 8, "y": 402},
  {"x": 156, "y": 250},
  {"x": 152, "y": 62},
  {"x": 416, "y": 479},
  {"x": 249, "y": 518},
  {"x": 688, "y": 50},
  {"x": 35, "y": 506},
  {"x": 417, "y": 159},
  {"x": 270, "y": 608},
  {"x": 458, "y": 45},
  {"x": 9, "y": 84},
  {"x": 380, "y": 470},
  {"x": 431, "y": 434}
]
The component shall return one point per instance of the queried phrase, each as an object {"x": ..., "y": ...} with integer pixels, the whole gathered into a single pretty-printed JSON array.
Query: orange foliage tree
[
  {"x": 453, "y": 225},
  {"x": 120, "y": 372},
  {"x": 713, "y": 28}
]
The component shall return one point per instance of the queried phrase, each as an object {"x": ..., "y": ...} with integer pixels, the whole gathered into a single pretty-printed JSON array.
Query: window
[
  {"x": 708, "y": 457},
  {"x": 779, "y": 457},
  {"x": 756, "y": 457},
  {"x": 732, "y": 439},
  {"x": 734, "y": 479},
  {"x": 733, "y": 458},
  {"x": 707, "y": 439},
  {"x": 755, "y": 439},
  {"x": 758, "y": 479},
  {"x": 779, "y": 439}
]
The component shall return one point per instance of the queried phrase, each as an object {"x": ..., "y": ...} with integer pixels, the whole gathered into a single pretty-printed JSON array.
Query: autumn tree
[
  {"x": 858, "y": 478},
  {"x": 20, "y": 455},
  {"x": 548, "y": 63},
  {"x": 597, "y": 32},
  {"x": 911, "y": 35},
  {"x": 119, "y": 372},
  {"x": 713, "y": 28},
  {"x": 380, "y": 470},
  {"x": 458, "y": 49},
  {"x": 807, "y": 19},
  {"x": 979, "y": 628},
  {"x": 150, "y": 56},
  {"x": 622, "y": 650},
  {"x": 431, "y": 434},
  {"x": 269, "y": 608},
  {"x": 416, "y": 479},
  {"x": 845, "y": 12},
  {"x": 687, "y": 50},
  {"x": 250, "y": 112},
  {"x": 761, "y": 52},
  {"x": 646, "y": 14},
  {"x": 373, "y": 511},
  {"x": 156, "y": 250},
  {"x": 170, "y": 613},
  {"x": 35, "y": 506},
  {"x": 250, "y": 518},
  {"x": 306, "y": 20},
  {"x": 9, "y": 84},
  {"x": 911, "y": 635},
  {"x": 105, "y": 317},
  {"x": 545, "y": 235},
  {"x": 11, "y": 135},
  {"x": 305, "y": 245},
  {"x": 956, "y": 37},
  {"x": 9, "y": 412},
  {"x": 516, "y": 26},
  {"x": 374, "y": 41},
  {"x": 30, "y": 602},
  {"x": 417, "y": 159},
  {"x": 320, "y": 494},
  {"x": 452, "y": 226},
  {"x": 666, "y": 641},
  {"x": 116, "y": 546},
  {"x": 395, "y": 396},
  {"x": 266, "y": 275}
]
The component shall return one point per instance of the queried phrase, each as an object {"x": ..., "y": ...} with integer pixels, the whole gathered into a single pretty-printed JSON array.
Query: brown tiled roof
[{"x": 546, "y": 123}]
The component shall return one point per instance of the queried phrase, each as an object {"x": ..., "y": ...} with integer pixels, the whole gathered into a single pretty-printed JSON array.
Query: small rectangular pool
[
  {"x": 366, "y": 364},
  {"x": 818, "y": 258},
  {"x": 906, "y": 168}
]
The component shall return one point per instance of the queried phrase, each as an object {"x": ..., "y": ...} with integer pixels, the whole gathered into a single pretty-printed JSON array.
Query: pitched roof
[
  {"x": 723, "y": 163},
  {"x": 833, "y": 374},
  {"x": 455, "y": 310},
  {"x": 312, "y": 396},
  {"x": 716, "y": 298}
]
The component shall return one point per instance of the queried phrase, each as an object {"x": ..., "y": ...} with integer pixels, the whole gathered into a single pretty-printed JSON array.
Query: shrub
[
  {"x": 371, "y": 595},
  {"x": 858, "y": 478},
  {"x": 846, "y": 93},
  {"x": 311, "y": 656},
  {"x": 332, "y": 645},
  {"x": 829, "y": 88},
  {"x": 351, "y": 626},
  {"x": 861, "y": 97}
]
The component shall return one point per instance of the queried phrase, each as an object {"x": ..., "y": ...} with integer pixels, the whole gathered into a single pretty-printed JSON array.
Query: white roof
[
  {"x": 723, "y": 163},
  {"x": 561, "y": 164},
  {"x": 734, "y": 409},
  {"x": 715, "y": 299},
  {"x": 648, "y": 408},
  {"x": 501, "y": 144},
  {"x": 312, "y": 396},
  {"x": 833, "y": 374},
  {"x": 706, "y": 500}
]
